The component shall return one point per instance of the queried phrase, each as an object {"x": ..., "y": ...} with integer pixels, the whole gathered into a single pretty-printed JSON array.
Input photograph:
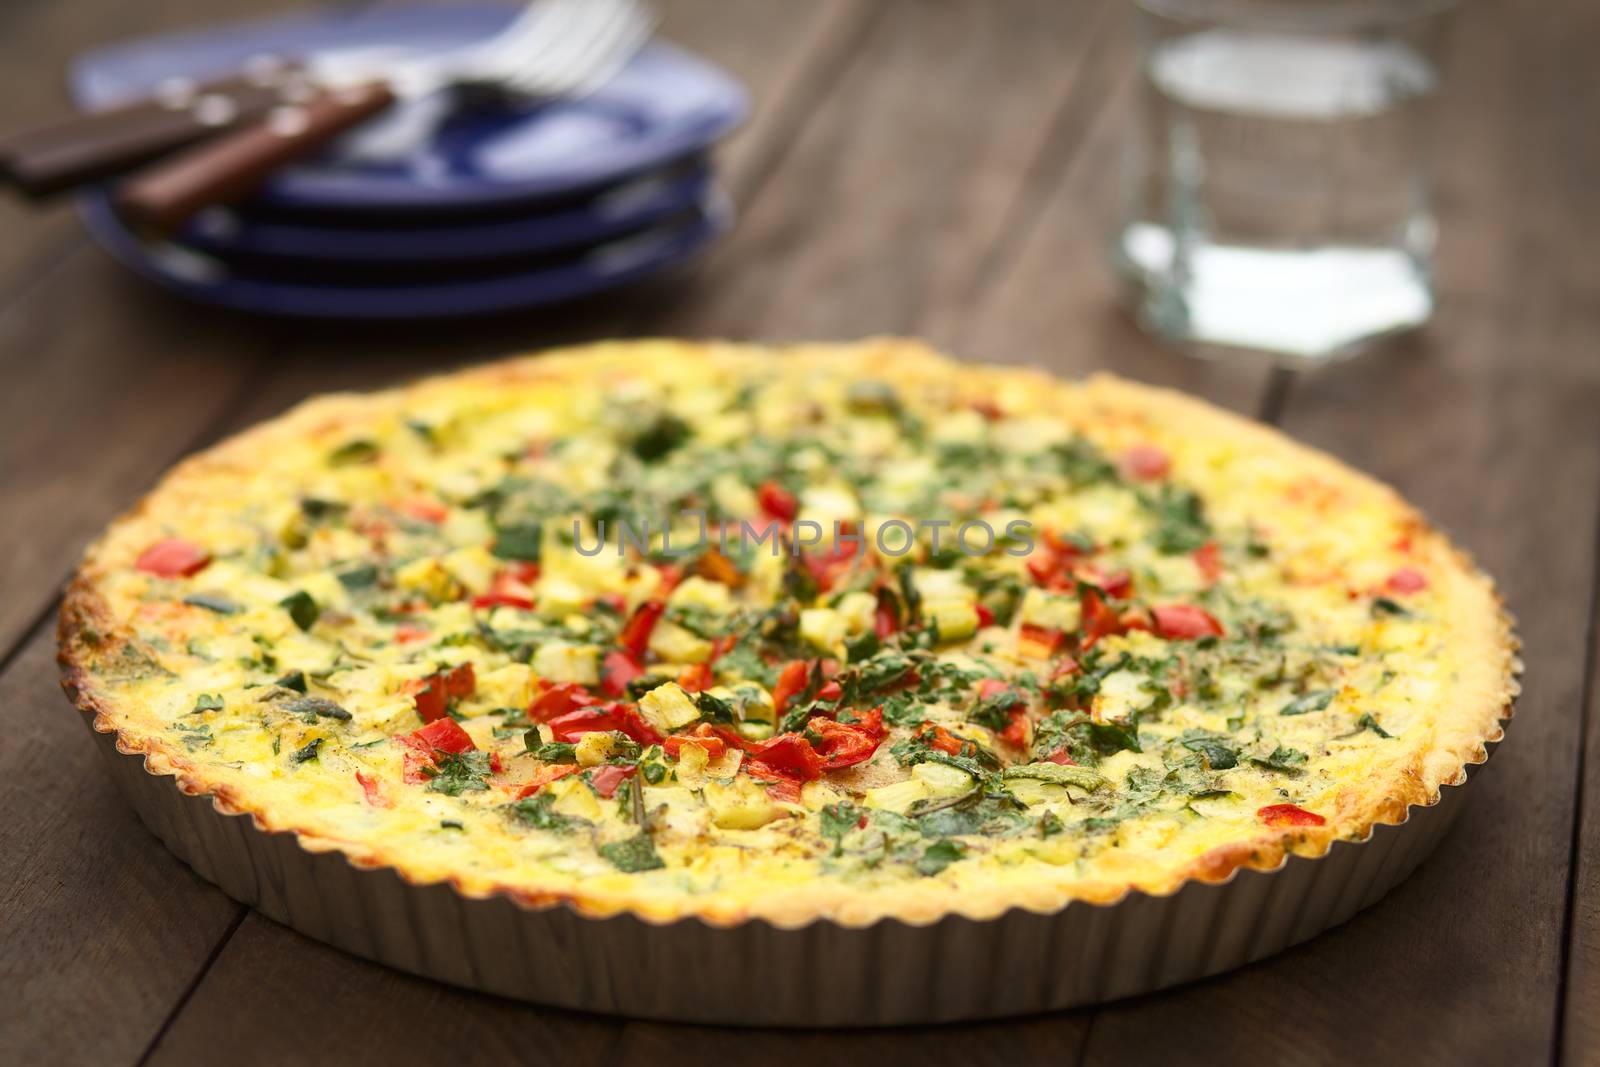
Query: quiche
[{"x": 836, "y": 632}]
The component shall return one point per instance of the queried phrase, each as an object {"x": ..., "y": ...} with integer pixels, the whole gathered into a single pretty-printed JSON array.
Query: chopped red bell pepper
[
  {"x": 422, "y": 746},
  {"x": 430, "y": 700},
  {"x": 1185, "y": 622},
  {"x": 559, "y": 700},
  {"x": 635, "y": 635},
  {"x": 1042, "y": 636},
  {"x": 616, "y": 671},
  {"x": 1016, "y": 731},
  {"x": 671, "y": 575},
  {"x": 586, "y": 720},
  {"x": 1289, "y": 815},
  {"x": 791, "y": 680},
  {"x": 435, "y": 692},
  {"x": 373, "y": 791},
  {"x": 407, "y": 632},
  {"x": 1208, "y": 559},
  {"x": 510, "y": 588},
  {"x": 787, "y": 756},
  {"x": 846, "y": 744},
  {"x": 943, "y": 740},
  {"x": 608, "y": 778},
  {"x": 1044, "y": 569},
  {"x": 777, "y": 501},
  {"x": 423, "y": 509},
  {"x": 1406, "y": 580},
  {"x": 444, "y": 735},
  {"x": 173, "y": 558},
  {"x": 784, "y": 790},
  {"x": 886, "y": 620},
  {"x": 636, "y": 726},
  {"x": 695, "y": 678},
  {"x": 826, "y": 566},
  {"x": 500, "y": 598},
  {"x": 1144, "y": 463},
  {"x": 1099, "y": 620},
  {"x": 719, "y": 568},
  {"x": 545, "y": 775},
  {"x": 702, "y": 735},
  {"x": 1060, "y": 756},
  {"x": 460, "y": 680},
  {"x": 830, "y": 691},
  {"x": 985, "y": 616},
  {"x": 1117, "y": 584}
]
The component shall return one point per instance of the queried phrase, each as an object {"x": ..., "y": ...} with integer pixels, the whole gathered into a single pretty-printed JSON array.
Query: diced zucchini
[
  {"x": 667, "y": 707},
  {"x": 593, "y": 748},
  {"x": 743, "y": 805},
  {"x": 676, "y": 645},
  {"x": 754, "y": 703},
  {"x": 1049, "y": 611},
  {"x": 703, "y": 593},
  {"x": 900, "y": 796},
  {"x": 935, "y": 584},
  {"x": 859, "y": 612},
  {"x": 1060, "y": 774},
  {"x": 822, "y": 628},
  {"x": 428, "y": 577},
  {"x": 557, "y": 595},
  {"x": 957, "y": 620},
  {"x": 473, "y": 567},
  {"x": 559, "y": 661},
  {"x": 942, "y": 778},
  {"x": 827, "y": 504},
  {"x": 754, "y": 731},
  {"x": 574, "y": 798},
  {"x": 733, "y": 496}
]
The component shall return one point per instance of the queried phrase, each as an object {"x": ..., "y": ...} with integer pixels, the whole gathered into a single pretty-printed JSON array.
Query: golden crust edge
[{"x": 1269, "y": 851}]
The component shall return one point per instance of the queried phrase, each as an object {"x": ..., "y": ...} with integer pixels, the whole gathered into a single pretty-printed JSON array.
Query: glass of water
[{"x": 1277, "y": 186}]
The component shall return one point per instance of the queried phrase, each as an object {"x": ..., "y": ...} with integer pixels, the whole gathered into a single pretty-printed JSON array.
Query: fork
[{"x": 552, "y": 49}]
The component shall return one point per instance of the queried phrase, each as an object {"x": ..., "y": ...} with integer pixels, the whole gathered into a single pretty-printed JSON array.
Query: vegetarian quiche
[{"x": 832, "y": 631}]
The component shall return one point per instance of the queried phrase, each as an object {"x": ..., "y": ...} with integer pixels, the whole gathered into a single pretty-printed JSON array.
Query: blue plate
[
  {"x": 210, "y": 280},
  {"x": 667, "y": 104},
  {"x": 630, "y": 205}
]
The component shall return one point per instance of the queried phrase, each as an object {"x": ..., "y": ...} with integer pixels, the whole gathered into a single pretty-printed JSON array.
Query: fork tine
[
  {"x": 588, "y": 60},
  {"x": 576, "y": 56},
  {"x": 604, "y": 67}
]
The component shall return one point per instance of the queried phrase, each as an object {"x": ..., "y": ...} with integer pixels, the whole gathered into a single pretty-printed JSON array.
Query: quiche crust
[{"x": 103, "y": 652}]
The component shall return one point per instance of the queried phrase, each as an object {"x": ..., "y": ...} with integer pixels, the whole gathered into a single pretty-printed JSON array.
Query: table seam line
[
  {"x": 241, "y": 912},
  {"x": 1585, "y": 709}
]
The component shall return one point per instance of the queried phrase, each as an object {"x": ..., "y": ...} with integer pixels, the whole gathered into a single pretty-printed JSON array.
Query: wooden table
[{"x": 937, "y": 168}]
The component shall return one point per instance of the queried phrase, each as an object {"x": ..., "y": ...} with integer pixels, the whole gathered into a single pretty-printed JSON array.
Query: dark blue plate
[
  {"x": 667, "y": 104},
  {"x": 630, "y": 205},
  {"x": 208, "y": 279}
]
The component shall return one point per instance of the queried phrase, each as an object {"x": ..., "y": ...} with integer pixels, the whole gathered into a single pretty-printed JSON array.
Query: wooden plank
[
  {"x": 1487, "y": 422},
  {"x": 105, "y": 402},
  {"x": 1580, "y": 1029},
  {"x": 885, "y": 206},
  {"x": 276, "y": 997},
  {"x": 101, "y": 930}
]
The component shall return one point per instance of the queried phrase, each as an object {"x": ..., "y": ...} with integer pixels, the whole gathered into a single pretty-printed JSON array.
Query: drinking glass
[{"x": 1277, "y": 177}]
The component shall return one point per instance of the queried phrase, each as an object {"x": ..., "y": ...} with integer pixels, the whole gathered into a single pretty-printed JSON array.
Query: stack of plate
[{"x": 434, "y": 210}]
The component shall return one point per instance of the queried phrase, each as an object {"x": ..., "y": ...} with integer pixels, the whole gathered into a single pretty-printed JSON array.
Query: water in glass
[{"x": 1278, "y": 193}]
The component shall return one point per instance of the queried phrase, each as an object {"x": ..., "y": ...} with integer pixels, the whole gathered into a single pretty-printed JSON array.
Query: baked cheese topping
[{"x": 845, "y": 631}]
